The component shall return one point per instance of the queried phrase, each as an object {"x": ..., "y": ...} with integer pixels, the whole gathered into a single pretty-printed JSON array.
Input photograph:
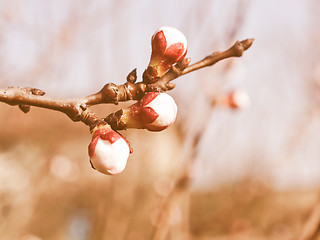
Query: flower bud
[
  {"x": 238, "y": 99},
  {"x": 169, "y": 45},
  {"x": 108, "y": 150},
  {"x": 154, "y": 111}
]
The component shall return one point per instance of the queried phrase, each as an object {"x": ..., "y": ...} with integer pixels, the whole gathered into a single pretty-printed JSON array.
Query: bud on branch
[
  {"x": 169, "y": 46},
  {"x": 108, "y": 150},
  {"x": 154, "y": 112}
]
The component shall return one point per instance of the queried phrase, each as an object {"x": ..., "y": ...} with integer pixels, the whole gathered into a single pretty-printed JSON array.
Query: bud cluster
[
  {"x": 109, "y": 150},
  {"x": 155, "y": 111}
]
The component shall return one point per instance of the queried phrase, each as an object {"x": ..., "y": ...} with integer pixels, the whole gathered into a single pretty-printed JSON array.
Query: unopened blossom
[
  {"x": 169, "y": 45},
  {"x": 108, "y": 150},
  {"x": 238, "y": 99},
  {"x": 155, "y": 111}
]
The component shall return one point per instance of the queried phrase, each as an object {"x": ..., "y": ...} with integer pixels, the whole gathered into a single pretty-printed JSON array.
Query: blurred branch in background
[{"x": 311, "y": 228}]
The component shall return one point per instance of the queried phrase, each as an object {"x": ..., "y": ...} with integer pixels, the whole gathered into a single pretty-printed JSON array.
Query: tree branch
[{"x": 77, "y": 108}]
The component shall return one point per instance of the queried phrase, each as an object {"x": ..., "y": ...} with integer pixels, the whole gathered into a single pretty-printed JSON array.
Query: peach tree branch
[{"x": 77, "y": 109}]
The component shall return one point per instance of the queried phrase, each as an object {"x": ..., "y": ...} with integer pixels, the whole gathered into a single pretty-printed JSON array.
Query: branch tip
[{"x": 247, "y": 43}]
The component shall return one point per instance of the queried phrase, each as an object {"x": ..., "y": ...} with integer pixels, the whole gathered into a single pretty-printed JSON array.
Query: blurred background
[{"x": 217, "y": 173}]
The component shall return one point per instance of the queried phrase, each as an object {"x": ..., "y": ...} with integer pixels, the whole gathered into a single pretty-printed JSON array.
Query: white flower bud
[
  {"x": 155, "y": 112},
  {"x": 169, "y": 45},
  {"x": 171, "y": 36},
  {"x": 108, "y": 151},
  {"x": 164, "y": 105}
]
